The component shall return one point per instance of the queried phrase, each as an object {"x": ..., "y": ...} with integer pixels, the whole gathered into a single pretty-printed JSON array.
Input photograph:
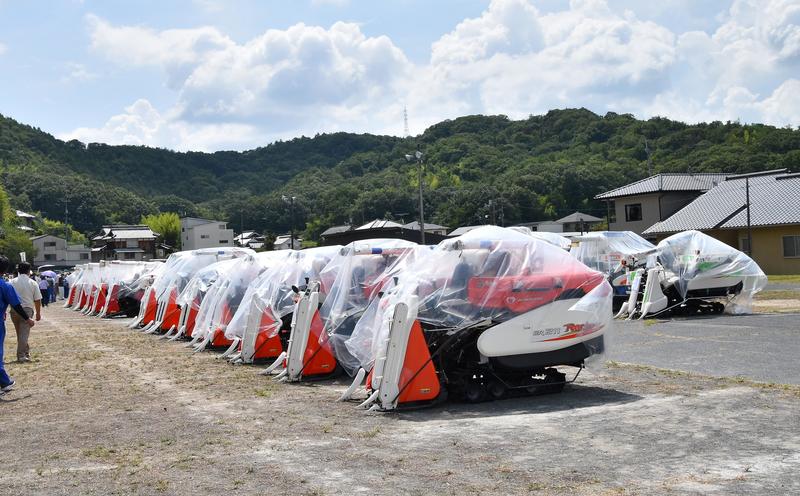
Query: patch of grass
[
  {"x": 263, "y": 392},
  {"x": 649, "y": 322},
  {"x": 742, "y": 381},
  {"x": 778, "y": 294},
  {"x": 785, "y": 278},
  {"x": 371, "y": 433}
]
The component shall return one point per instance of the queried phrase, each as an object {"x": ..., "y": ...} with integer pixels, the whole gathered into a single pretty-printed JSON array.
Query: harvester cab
[
  {"x": 488, "y": 314},
  {"x": 693, "y": 274}
]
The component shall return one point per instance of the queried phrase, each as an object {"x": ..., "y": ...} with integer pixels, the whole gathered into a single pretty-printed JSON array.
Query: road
[{"x": 761, "y": 347}]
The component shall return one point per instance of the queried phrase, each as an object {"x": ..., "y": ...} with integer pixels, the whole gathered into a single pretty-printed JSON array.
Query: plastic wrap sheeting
[
  {"x": 552, "y": 238},
  {"x": 226, "y": 292},
  {"x": 271, "y": 294},
  {"x": 697, "y": 262},
  {"x": 351, "y": 280},
  {"x": 604, "y": 250},
  {"x": 182, "y": 266},
  {"x": 488, "y": 273}
]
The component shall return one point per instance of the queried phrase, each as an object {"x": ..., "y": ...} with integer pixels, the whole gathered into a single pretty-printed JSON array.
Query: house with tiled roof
[
  {"x": 637, "y": 206},
  {"x": 124, "y": 242},
  {"x": 760, "y": 210}
]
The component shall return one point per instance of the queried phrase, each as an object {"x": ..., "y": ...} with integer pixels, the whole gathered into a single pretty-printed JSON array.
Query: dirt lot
[{"x": 105, "y": 410}]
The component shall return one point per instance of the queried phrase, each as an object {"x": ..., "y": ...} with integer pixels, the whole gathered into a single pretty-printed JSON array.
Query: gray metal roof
[
  {"x": 462, "y": 230},
  {"x": 335, "y": 230},
  {"x": 773, "y": 201},
  {"x": 414, "y": 226},
  {"x": 666, "y": 182},
  {"x": 379, "y": 224},
  {"x": 577, "y": 217}
]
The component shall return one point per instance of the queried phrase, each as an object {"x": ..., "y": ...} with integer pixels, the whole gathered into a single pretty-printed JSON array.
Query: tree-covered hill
[{"x": 532, "y": 169}]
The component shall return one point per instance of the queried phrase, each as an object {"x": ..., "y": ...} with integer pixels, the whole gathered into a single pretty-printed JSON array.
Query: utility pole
[
  {"x": 418, "y": 155},
  {"x": 649, "y": 158},
  {"x": 66, "y": 219},
  {"x": 290, "y": 201},
  {"x": 749, "y": 230}
]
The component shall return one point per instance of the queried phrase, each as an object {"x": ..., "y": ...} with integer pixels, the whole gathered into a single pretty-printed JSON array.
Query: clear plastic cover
[
  {"x": 698, "y": 265},
  {"x": 271, "y": 294},
  {"x": 351, "y": 280},
  {"x": 605, "y": 250},
  {"x": 182, "y": 266},
  {"x": 225, "y": 293},
  {"x": 552, "y": 238},
  {"x": 493, "y": 274}
]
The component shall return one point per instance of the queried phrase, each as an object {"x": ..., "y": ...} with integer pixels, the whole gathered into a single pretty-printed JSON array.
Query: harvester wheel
[{"x": 474, "y": 392}]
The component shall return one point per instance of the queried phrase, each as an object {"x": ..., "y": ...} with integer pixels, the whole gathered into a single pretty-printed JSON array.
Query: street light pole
[
  {"x": 419, "y": 155},
  {"x": 290, "y": 200}
]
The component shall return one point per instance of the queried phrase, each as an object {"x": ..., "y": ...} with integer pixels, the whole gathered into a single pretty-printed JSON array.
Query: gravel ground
[{"x": 104, "y": 410}]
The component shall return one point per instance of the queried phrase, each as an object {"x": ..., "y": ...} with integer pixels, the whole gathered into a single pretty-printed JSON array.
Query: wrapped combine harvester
[
  {"x": 261, "y": 327},
  {"x": 618, "y": 254},
  {"x": 483, "y": 315},
  {"x": 167, "y": 288},
  {"x": 691, "y": 273},
  {"x": 224, "y": 296}
]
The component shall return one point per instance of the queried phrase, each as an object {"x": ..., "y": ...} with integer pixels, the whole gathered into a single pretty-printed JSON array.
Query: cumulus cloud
[{"x": 512, "y": 59}]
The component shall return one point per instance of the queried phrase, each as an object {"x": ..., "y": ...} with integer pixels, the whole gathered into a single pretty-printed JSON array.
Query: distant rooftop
[
  {"x": 578, "y": 217},
  {"x": 414, "y": 226},
  {"x": 122, "y": 231},
  {"x": 774, "y": 200},
  {"x": 666, "y": 182},
  {"x": 379, "y": 224},
  {"x": 336, "y": 229}
]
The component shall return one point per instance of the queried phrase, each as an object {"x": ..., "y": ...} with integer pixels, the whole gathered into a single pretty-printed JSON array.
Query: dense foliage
[
  {"x": 13, "y": 241},
  {"x": 476, "y": 168},
  {"x": 166, "y": 224}
]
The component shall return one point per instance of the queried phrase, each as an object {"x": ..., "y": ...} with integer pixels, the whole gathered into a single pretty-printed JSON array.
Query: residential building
[
  {"x": 722, "y": 212},
  {"x": 204, "y": 233},
  {"x": 429, "y": 228},
  {"x": 250, "y": 239},
  {"x": 284, "y": 242},
  {"x": 637, "y": 206},
  {"x": 56, "y": 251},
  {"x": 124, "y": 242}
]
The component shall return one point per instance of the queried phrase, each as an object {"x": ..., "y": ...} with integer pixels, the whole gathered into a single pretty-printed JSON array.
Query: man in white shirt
[{"x": 30, "y": 297}]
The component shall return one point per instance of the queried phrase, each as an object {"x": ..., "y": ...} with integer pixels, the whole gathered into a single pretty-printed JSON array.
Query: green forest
[{"x": 539, "y": 168}]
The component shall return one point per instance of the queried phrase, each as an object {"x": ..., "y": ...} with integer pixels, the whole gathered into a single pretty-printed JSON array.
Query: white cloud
[
  {"x": 3, "y": 48},
  {"x": 512, "y": 59},
  {"x": 143, "y": 124},
  {"x": 77, "y": 73}
]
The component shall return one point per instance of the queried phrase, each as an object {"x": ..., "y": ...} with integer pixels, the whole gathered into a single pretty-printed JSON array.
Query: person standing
[
  {"x": 43, "y": 288},
  {"x": 8, "y": 297},
  {"x": 29, "y": 297},
  {"x": 51, "y": 289},
  {"x": 66, "y": 288}
]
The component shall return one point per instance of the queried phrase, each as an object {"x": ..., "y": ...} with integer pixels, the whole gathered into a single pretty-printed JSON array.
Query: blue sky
[{"x": 213, "y": 74}]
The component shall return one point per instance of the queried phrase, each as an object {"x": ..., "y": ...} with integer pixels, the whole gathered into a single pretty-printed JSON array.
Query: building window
[
  {"x": 791, "y": 246},
  {"x": 633, "y": 212},
  {"x": 744, "y": 245},
  {"x": 50, "y": 257},
  {"x": 84, "y": 256},
  {"x": 205, "y": 236},
  {"x": 129, "y": 256},
  {"x": 222, "y": 226},
  {"x": 612, "y": 213},
  {"x": 223, "y": 241},
  {"x": 49, "y": 244}
]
